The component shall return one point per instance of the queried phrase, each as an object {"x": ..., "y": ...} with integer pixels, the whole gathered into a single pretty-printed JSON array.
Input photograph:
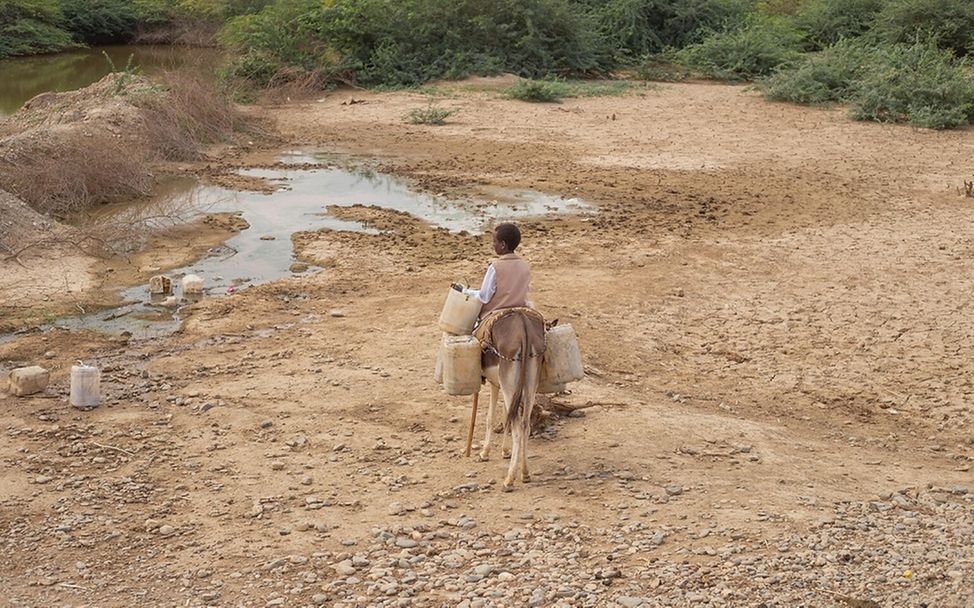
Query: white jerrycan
[
  {"x": 85, "y": 386},
  {"x": 459, "y": 313},
  {"x": 461, "y": 365},
  {"x": 562, "y": 359}
]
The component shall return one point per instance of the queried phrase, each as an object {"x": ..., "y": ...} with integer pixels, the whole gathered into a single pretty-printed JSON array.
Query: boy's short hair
[{"x": 509, "y": 234}]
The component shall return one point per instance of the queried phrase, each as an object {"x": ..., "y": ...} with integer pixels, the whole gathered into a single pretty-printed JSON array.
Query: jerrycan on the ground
[
  {"x": 192, "y": 285},
  {"x": 459, "y": 313},
  {"x": 461, "y": 365},
  {"x": 85, "y": 386},
  {"x": 562, "y": 360}
]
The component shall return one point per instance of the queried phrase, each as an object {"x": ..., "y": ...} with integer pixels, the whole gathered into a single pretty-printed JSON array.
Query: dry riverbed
[{"x": 771, "y": 305}]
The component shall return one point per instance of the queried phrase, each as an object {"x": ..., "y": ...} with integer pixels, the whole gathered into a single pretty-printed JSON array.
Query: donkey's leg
[
  {"x": 506, "y": 441},
  {"x": 491, "y": 409},
  {"x": 516, "y": 432},
  {"x": 531, "y": 371}
]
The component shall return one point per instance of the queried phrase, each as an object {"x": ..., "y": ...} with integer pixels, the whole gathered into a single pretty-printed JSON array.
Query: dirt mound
[
  {"x": 21, "y": 226},
  {"x": 106, "y": 107},
  {"x": 65, "y": 152}
]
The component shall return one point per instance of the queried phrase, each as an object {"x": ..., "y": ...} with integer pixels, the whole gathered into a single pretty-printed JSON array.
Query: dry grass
[
  {"x": 62, "y": 168},
  {"x": 189, "y": 116},
  {"x": 291, "y": 83},
  {"x": 78, "y": 171}
]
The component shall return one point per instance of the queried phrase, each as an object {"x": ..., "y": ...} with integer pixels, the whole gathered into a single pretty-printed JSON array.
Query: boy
[{"x": 508, "y": 278}]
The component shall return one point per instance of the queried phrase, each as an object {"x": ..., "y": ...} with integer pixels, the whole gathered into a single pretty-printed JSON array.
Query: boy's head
[{"x": 506, "y": 238}]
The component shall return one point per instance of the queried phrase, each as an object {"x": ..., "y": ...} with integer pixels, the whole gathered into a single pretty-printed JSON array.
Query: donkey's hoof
[
  {"x": 506, "y": 453},
  {"x": 526, "y": 478},
  {"x": 483, "y": 456},
  {"x": 507, "y": 487}
]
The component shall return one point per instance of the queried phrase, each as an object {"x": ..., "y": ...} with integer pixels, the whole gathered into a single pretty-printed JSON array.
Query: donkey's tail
[{"x": 517, "y": 400}]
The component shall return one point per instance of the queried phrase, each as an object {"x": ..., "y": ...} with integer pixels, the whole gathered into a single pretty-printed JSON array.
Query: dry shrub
[
  {"x": 292, "y": 83},
  {"x": 77, "y": 171},
  {"x": 188, "y": 116}
]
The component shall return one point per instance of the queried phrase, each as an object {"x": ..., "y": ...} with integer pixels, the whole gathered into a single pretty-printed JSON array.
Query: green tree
[
  {"x": 32, "y": 26},
  {"x": 99, "y": 21}
]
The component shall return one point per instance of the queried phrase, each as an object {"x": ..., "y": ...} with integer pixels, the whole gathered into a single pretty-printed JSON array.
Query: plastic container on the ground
[
  {"x": 461, "y": 365},
  {"x": 459, "y": 313},
  {"x": 192, "y": 284},
  {"x": 563, "y": 360},
  {"x": 85, "y": 386},
  {"x": 160, "y": 285}
]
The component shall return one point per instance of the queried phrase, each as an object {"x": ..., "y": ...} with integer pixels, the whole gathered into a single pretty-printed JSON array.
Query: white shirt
[{"x": 487, "y": 287}]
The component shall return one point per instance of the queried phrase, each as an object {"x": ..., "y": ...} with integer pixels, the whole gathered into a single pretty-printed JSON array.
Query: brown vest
[{"x": 513, "y": 281}]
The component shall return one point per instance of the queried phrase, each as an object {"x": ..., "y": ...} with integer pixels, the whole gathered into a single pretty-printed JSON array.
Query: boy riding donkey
[{"x": 512, "y": 335}]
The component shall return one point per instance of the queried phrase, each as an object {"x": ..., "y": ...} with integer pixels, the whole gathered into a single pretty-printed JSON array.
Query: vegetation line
[{"x": 889, "y": 60}]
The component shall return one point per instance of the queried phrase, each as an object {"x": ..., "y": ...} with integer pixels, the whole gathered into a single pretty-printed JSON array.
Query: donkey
[{"x": 512, "y": 366}]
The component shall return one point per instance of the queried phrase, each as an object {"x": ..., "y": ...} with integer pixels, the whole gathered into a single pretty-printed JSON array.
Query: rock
[
  {"x": 43, "y": 479},
  {"x": 298, "y": 267},
  {"x": 266, "y": 424},
  {"x": 345, "y": 568},
  {"x": 630, "y": 602},
  {"x": 210, "y": 596},
  {"x": 608, "y": 573},
  {"x": 336, "y": 313},
  {"x": 268, "y": 237},
  {"x": 901, "y": 501},
  {"x": 406, "y": 543},
  {"x": 28, "y": 380},
  {"x": 319, "y": 599},
  {"x": 166, "y": 530},
  {"x": 396, "y": 508},
  {"x": 674, "y": 490}
]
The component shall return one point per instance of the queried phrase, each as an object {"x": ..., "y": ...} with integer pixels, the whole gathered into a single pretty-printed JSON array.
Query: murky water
[
  {"x": 263, "y": 252},
  {"x": 22, "y": 78}
]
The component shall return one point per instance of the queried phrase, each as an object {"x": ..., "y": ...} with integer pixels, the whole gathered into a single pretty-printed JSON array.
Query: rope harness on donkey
[{"x": 484, "y": 332}]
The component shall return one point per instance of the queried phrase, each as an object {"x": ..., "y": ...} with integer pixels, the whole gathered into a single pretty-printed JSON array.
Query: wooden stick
[
  {"x": 111, "y": 447},
  {"x": 473, "y": 422}
]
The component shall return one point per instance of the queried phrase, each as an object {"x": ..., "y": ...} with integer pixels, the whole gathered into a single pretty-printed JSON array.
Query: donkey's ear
[{"x": 552, "y": 323}]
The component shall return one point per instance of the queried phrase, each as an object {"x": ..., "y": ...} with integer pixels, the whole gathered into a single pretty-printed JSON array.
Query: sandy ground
[{"x": 771, "y": 303}]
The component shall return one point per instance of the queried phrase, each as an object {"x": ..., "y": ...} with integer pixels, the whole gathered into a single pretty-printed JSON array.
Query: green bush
[
  {"x": 950, "y": 22},
  {"x": 430, "y": 115},
  {"x": 539, "y": 91},
  {"x": 256, "y": 67},
  {"x": 826, "y": 22},
  {"x": 99, "y": 21},
  {"x": 634, "y": 28},
  {"x": 746, "y": 52},
  {"x": 664, "y": 67},
  {"x": 28, "y": 27},
  {"x": 824, "y": 77},
  {"x": 920, "y": 84},
  {"x": 408, "y": 42}
]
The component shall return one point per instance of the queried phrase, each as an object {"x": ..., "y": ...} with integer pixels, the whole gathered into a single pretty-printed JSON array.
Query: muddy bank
[{"x": 54, "y": 279}]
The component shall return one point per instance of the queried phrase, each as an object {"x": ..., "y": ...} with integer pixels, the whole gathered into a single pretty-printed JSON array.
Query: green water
[{"x": 25, "y": 77}]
